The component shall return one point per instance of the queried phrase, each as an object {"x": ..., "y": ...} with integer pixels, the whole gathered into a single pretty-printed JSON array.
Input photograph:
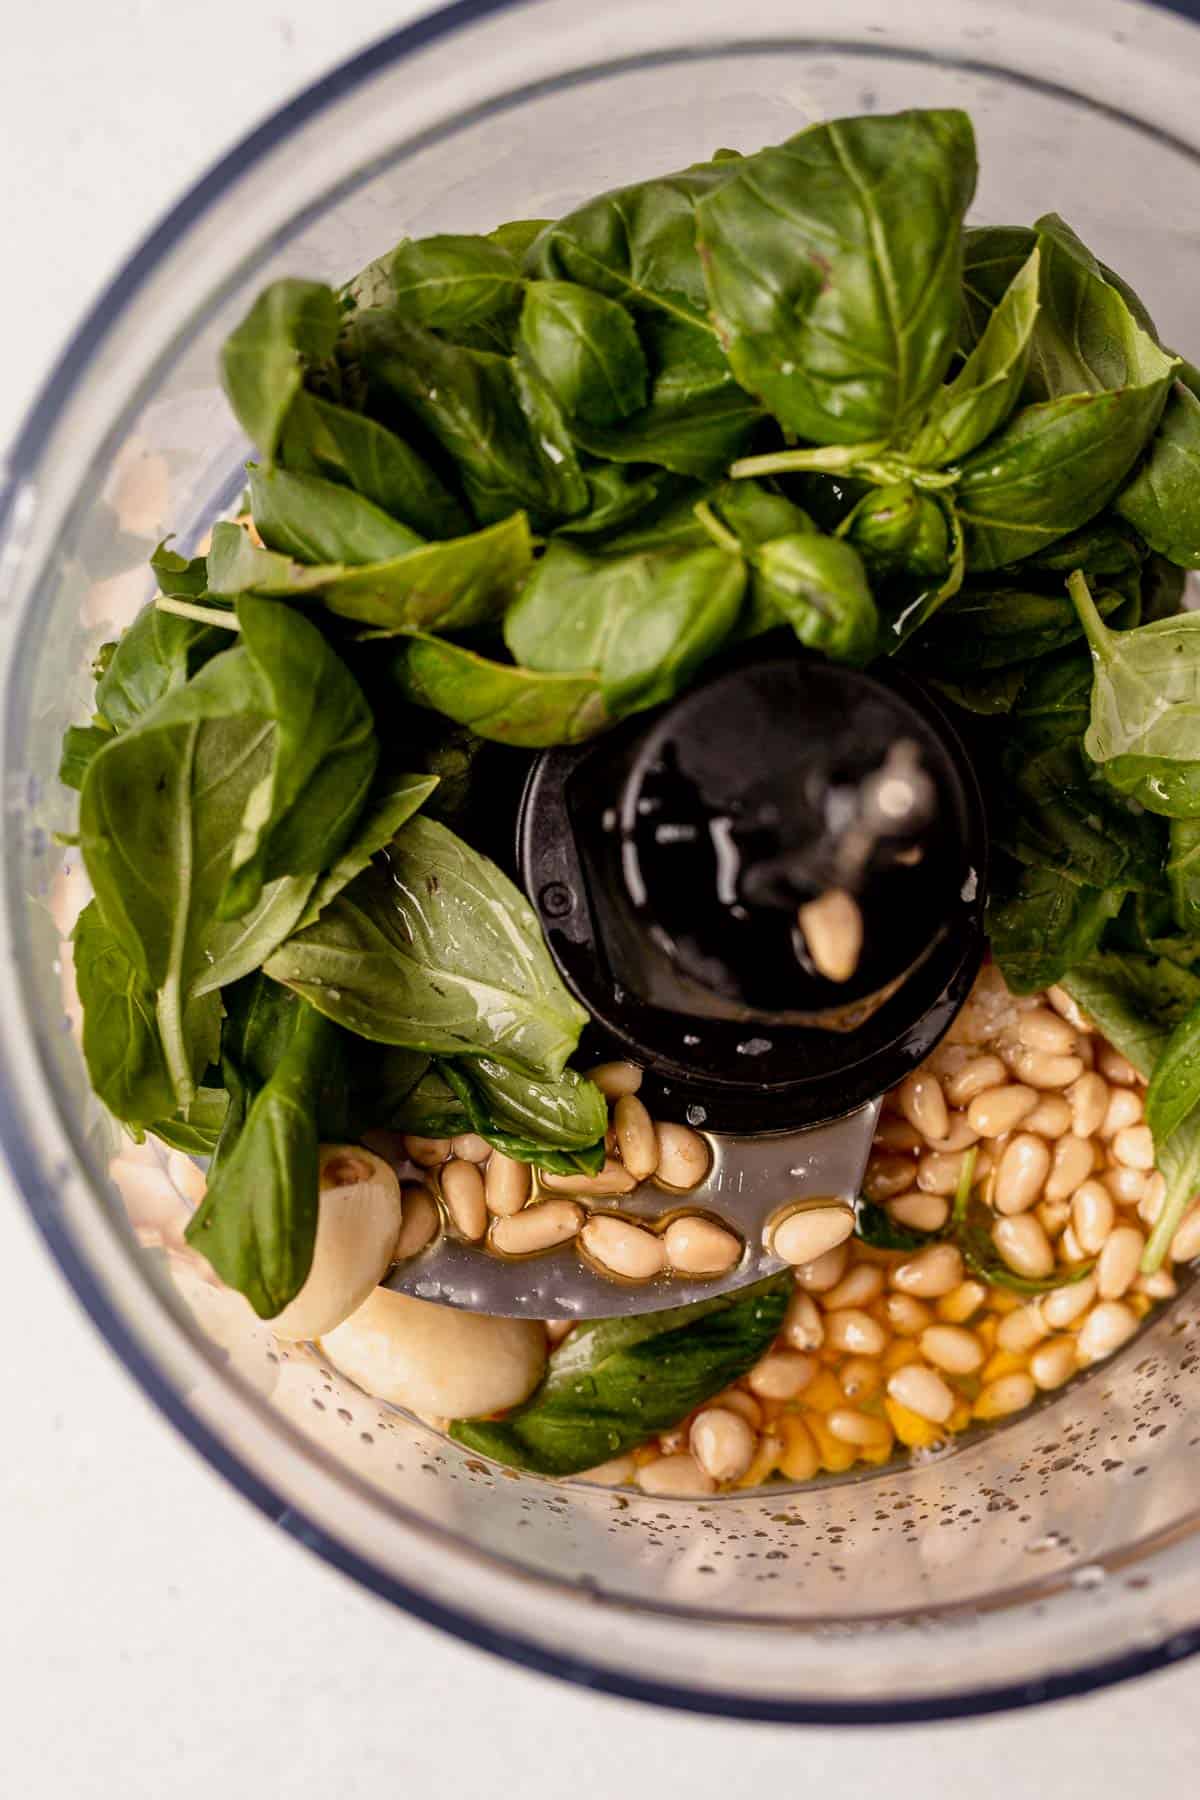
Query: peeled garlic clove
[
  {"x": 437, "y": 1360},
  {"x": 358, "y": 1223}
]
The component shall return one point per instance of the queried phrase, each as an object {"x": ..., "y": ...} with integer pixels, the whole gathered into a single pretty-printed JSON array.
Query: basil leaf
[
  {"x": 257, "y": 1223},
  {"x": 1145, "y": 720},
  {"x": 126, "y": 1064},
  {"x": 637, "y": 244},
  {"x": 986, "y": 388},
  {"x": 1135, "y": 1000},
  {"x": 1174, "y": 1088},
  {"x": 449, "y": 280},
  {"x": 488, "y": 413},
  {"x": 973, "y": 1234},
  {"x": 1040, "y": 924},
  {"x": 321, "y": 438},
  {"x": 1051, "y": 468},
  {"x": 1055, "y": 813},
  {"x": 833, "y": 268},
  {"x": 985, "y": 627},
  {"x": 755, "y": 513},
  {"x": 433, "y": 948},
  {"x": 1183, "y": 873},
  {"x": 186, "y": 577},
  {"x": 317, "y": 521},
  {"x": 988, "y": 695},
  {"x": 644, "y": 623},
  {"x": 291, "y": 325},
  {"x": 993, "y": 257},
  {"x": 558, "y": 1125},
  {"x": 819, "y": 587},
  {"x": 1054, "y": 701},
  {"x": 152, "y": 656},
  {"x": 586, "y": 350},
  {"x": 612, "y": 1383},
  {"x": 517, "y": 236},
  {"x": 199, "y": 1132},
  {"x": 237, "y": 565},
  {"x": 1163, "y": 498},
  {"x": 79, "y": 744},
  {"x": 619, "y": 493},
  {"x": 523, "y": 707},
  {"x": 1086, "y": 339}
]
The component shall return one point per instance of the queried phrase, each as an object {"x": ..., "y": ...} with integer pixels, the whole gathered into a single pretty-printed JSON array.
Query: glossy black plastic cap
[{"x": 670, "y": 863}]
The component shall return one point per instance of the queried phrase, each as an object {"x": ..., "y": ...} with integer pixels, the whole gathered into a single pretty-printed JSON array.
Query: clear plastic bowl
[{"x": 1046, "y": 1558}]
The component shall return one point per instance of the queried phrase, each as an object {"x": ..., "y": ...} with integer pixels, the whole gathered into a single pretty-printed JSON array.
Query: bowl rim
[{"x": 33, "y": 434}]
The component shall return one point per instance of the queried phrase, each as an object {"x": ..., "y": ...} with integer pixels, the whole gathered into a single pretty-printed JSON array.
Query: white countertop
[{"x": 157, "y": 1636}]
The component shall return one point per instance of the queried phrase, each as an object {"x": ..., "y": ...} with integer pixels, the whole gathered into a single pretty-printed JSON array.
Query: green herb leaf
[
  {"x": 80, "y": 743},
  {"x": 126, "y": 1063},
  {"x": 985, "y": 390},
  {"x": 1174, "y": 1088},
  {"x": 449, "y": 281},
  {"x": 318, "y": 521},
  {"x": 522, "y": 707},
  {"x": 433, "y": 948},
  {"x": 559, "y": 1124},
  {"x": 819, "y": 587},
  {"x": 614, "y": 1382},
  {"x": 1183, "y": 873},
  {"x": 1163, "y": 498},
  {"x": 291, "y": 325},
  {"x": 644, "y": 623},
  {"x": 586, "y": 350},
  {"x": 985, "y": 627},
  {"x": 1086, "y": 339},
  {"x": 833, "y": 268},
  {"x": 321, "y": 438},
  {"x": 1145, "y": 719},
  {"x": 1040, "y": 924}
]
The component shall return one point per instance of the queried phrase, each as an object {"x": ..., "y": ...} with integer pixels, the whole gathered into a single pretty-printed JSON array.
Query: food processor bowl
[{"x": 1050, "y": 1556}]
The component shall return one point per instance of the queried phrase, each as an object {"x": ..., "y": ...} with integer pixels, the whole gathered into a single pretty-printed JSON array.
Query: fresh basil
[
  {"x": 319, "y": 521},
  {"x": 1145, "y": 716},
  {"x": 612, "y": 1383},
  {"x": 523, "y": 707},
  {"x": 449, "y": 281},
  {"x": 559, "y": 1124},
  {"x": 1163, "y": 497},
  {"x": 818, "y": 586},
  {"x": 434, "y": 949},
  {"x": 833, "y": 267},
  {"x": 984, "y": 391},
  {"x": 1183, "y": 873},
  {"x": 586, "y": 350},
  {"x": 1174, "y": 1089},
  {"x": 292, "y": 325},
  {"x": 1041, "y": 923},
  {"x": 323, "y": 438},
  {"x": 126, "y": 1063}
]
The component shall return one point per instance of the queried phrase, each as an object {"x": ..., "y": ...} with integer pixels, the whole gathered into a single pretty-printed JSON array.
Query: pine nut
[
  {"x": 1063, "y": 1305},
  {"x": 1092, "y": 1216},
  {"x": 806, "y": 1236},
  {"x": 1070, "y": 1250},
  {"x": 953, "y": 1348},
  {"x": 506, "y": 1184},
  {"x": 781, "y": 1374},
  {"x": 1116, "y": 1068},
  {"x": 930, "y": 1273},
  {"x": 1022, "y": 1169},
  {"x": 803, "y": 1326},
  {"x": 1041, "y": 1070},
  {"x": 1162, "y": 1285},
  {"x": 1106, "y": 1328},
  {"x": 419, "y": 1221},
  {"x": 612, "y": 1180},
  {"x": 1050, "y": 1118},
  {"x": 737, "y": 1400},
  {"x": 636, "y": 1139},
  {"x": 1070, "y": 1167},
  {"x": 722, "y": 1443},
  {"x": 798, "y": 1458},
  {"x": 1133, "y": 1147},
  {"x": 536, "y": 1228},
  {"x": 1042, "y": 1030},
  {"x": 923, "y": 1104},
  {"x": 426, "y": 1152},
  {"x": 1125, "y": 1185},
  {"x": 1085, "y": 1050},
  {"x": 623, "y": 1248},
  {"x": 1019, "y": 1331},
  {"x": 981, "y": 1073},
  {"x": 1125, "y": 1107},
  {"x": 1053, "y": 1363},
  {"x": 614, "y": 1473},
  {"x": 888, "y": 1176},
  {"x": 1053, "y": 1216},
  {"x": 684, "y": 1157},
  {"x": 558, "y": 1329},
  {"x": 616, "y": 1078},
  {"x": 1153, "y": 1195},
  {"x": 824, "y": 1272},
  {"x": 907, "y": 1315},
  {"x": 962, "y": 1302},
  {"x": 1068, "y": 1009},
  {"x": 833, "y": 931},
  {"x": 859, "y": 1287},
  {"x": 1024, "y": 1246},
  {"x": 462, "y": 1191},
  {"x": 855, "y": 1332},
  {"x": 678, "y": 1477},
  {"x": 1089, "y": 1103},
  {"x": 697, "y": 1246},
  {"x": 938, "y": 1171},
  {"x": 860, "y": 1377},
  {"x": 470, "y": 1147},
  {"x": 1185, "y": 1245},
  {"x": 959, "y": 1136},
  {"x": 1000, "y": 1110},
  {"x": 1007, "y": 1394},
  {"x": 894, "y": 1133},
  {"x": 1117, "y": 1265},
  {"x": 859, "y": 1428},
  {"x": 920, "y": 1212},
  {"x": 923, "y": 1392}
]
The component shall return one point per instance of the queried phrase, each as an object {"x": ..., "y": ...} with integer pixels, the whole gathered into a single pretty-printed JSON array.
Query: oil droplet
[{"x": 696, "y": 1115}]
